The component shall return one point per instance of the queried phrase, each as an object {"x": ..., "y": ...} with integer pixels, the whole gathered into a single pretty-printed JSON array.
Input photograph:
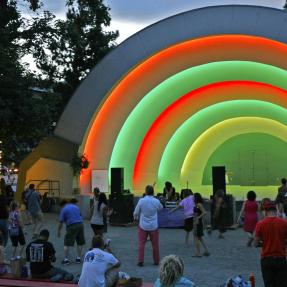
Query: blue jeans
[{"x": 4, "y": 230}]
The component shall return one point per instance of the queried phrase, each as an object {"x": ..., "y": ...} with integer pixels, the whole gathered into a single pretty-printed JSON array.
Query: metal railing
[{"x": 52, "y": 187}]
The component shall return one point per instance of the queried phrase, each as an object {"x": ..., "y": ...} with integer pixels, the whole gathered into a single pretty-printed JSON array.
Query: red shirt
[{"x": 273, "y": 232}]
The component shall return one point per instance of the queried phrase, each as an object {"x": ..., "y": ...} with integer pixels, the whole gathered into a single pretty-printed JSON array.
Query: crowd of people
[{"x": 265, "y": 225}]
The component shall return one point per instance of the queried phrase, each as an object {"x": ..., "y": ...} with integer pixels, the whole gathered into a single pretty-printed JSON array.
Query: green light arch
[
  {"x": 200, "y": 151},
  {"x": 140, "y": 119},
  {"x": 249, "y": 160},
  {"x": 178, "y": 146}
]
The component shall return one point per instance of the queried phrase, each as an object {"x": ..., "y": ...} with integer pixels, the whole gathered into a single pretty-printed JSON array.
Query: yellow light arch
[{"x": 200, "y": 151}]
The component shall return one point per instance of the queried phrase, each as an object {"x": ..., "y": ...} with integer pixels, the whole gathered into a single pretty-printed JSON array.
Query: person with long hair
[
  {"x": 249, "y": 210},
  {"x": 99, "y": 211},
  {"x": 171, "y": 273},
  {"x": 199, "y": 213},
  {"x": 169, "y": 191},
  {"x": 15, "y": 228}
]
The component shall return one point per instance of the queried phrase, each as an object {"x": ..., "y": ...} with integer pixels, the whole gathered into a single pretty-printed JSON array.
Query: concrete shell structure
[{"x": 202, "y": 88}]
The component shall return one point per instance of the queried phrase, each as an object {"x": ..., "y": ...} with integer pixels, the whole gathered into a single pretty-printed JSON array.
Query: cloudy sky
[{"x": 130, "y": 16}]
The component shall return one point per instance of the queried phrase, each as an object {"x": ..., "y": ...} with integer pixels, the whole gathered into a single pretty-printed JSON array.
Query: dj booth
[{"x": 170, "y": 220}]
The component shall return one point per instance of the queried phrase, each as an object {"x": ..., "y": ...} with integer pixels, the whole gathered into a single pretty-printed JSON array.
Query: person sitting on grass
[
  {"x": 171, "y": 273},
  {"x": 100, "y": 268},
  {"x": 41, "y": 253}
]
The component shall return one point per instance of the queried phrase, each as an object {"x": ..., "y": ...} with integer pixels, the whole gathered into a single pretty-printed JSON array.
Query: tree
[
  {"x": 65, "y": 51},
  {"x": 72, "y": 47},
  {"x": 25, "y": 117}
]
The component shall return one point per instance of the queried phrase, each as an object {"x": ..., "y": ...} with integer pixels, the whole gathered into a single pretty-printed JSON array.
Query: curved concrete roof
[{"x": 232, "y": 19}]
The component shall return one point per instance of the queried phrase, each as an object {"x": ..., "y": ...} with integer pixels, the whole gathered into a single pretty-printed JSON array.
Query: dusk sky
[{"x": 130, "y": 16}]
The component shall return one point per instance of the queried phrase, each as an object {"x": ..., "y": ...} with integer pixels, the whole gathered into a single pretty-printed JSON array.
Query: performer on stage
[
  {"x": 188, "y": 207},
  {"x": 169, "y": 191}
]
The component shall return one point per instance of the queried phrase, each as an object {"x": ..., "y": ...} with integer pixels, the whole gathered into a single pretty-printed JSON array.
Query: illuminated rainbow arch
[{"x": 131, "y": 109}]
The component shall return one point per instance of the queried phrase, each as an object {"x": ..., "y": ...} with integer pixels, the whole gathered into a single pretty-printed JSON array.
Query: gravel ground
[{"x": 229, "y": 256}]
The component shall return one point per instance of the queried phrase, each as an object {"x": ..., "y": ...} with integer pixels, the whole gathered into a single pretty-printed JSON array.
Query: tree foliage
[
  {"x": 24, "y": 118},
  {"x": 67, "y": 52},
  {"x": 64, "y": 50}
]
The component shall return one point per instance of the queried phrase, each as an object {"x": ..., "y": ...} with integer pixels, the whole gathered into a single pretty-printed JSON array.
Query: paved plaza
[{"x": 229, "y": 256}]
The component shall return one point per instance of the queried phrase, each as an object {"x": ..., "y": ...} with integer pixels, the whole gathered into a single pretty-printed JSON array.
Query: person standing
[
  {"x": 15, "y": 228},
  {"x": 146, "y": 211},
  {"x": 100, "y": 267},
  {"x": 249, "y": 210},
  {"x": 169, "y": 191},
  {"x": 272, "y": 231},
  {"x": 71, "y": 216},
  {"x": 281, "y": 198},
  {"x": 219, "y": 215},
  {"x": 188, "y": 208},
  {"x": 34, "y": 207},
  {"x": 199, "y": 213},
  {"x": 99, "y": 212}
]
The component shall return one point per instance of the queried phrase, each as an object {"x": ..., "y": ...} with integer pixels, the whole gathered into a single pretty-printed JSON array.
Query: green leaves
[{"x": 65, "y": 51}]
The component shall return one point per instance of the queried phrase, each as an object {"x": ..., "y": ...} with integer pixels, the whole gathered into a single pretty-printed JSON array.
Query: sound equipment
[
  {"x": 218, "y": 178},
  {"x": 123, "y": 208},
  {"x": 117, "y": 180}
]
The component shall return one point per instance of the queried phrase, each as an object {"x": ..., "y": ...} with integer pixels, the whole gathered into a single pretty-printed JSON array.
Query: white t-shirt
[
  {"x": 95, "y": 265},
  {"x": 146, "y": 210}
]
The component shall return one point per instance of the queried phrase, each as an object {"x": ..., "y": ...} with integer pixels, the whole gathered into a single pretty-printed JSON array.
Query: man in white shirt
[
  {"x": 100, "y": 268},
  {"x": 146, "y": 211}
]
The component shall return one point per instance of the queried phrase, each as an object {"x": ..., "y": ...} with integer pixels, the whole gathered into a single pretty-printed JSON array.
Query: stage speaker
[
  {"x": 218, "y": 178},
  {"x": 117, "y": 180},
  {"x": 123, "y": 208}
]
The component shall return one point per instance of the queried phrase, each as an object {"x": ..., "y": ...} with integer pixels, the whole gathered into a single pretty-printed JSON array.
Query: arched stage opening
[{"x": 202, "y": 88}]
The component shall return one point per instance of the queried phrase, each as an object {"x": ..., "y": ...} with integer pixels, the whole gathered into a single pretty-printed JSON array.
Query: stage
[{"x": 170, "y": 220}]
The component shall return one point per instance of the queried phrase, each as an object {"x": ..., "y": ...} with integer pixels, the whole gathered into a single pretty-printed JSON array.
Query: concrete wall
[{"x": 47, "y": 169}]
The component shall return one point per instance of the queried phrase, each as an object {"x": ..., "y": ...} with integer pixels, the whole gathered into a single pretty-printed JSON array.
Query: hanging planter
[{"x": 78, "y": 163}]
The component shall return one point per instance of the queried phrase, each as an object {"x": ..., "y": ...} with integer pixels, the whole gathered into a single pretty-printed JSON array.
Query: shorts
[
  {"x": 19, "y": 239},
  {"x": 188, "y": 224},
  {"x": 74, "y": 232},
  {"x": 37, "y": 216}
]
